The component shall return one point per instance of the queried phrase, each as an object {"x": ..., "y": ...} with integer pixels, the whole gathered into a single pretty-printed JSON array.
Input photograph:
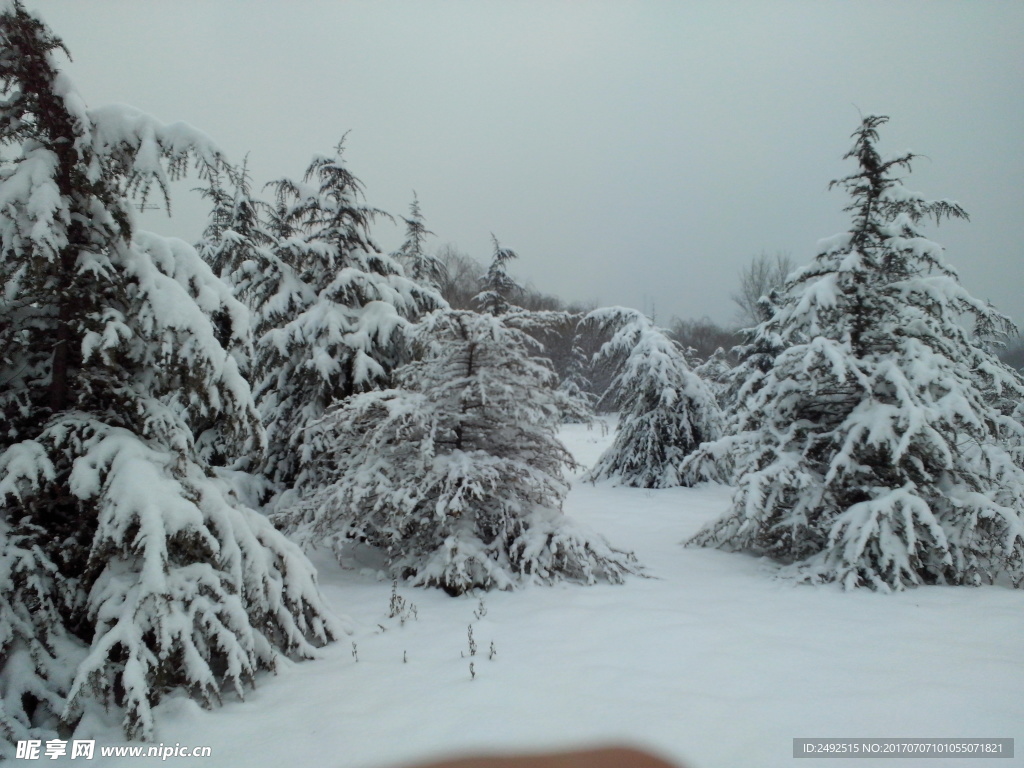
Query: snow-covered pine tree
[
  {"x": 715, "y": 372},
  {"x": 498, "y": 287},
  {"x": 457, "y": 475},
  {"x": 239, "y": 249},
  {"x": 333, "y": 323},
  {"x": 715, "y": 461},
  {"x": 126, "y": 569},
  {"x": 573, "y": 395},
  {"x": 666, "y": 411},
  {"x": 549, "y": 329},
  {"x": 237, "y": 243},
  {"x": 418, "y": 264},
  {"x": 498, "y": 292},
  {"x": 870, "y": 453}
]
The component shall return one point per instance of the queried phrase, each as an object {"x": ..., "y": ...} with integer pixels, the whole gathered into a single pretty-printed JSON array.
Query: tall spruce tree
[
  {"x": 666, "y": 409},
  {"x": 332, "y": 323},
  {"x": 873, "y": 450},
  {"x": 238, "y": 249},
  {"x": 498, "y": 288},
  {"x": 419, "y": 265},
  {"x": 237, "y": 243},
  {"x": 457, "y": 475},
  {"x": 127, "y": 570}
]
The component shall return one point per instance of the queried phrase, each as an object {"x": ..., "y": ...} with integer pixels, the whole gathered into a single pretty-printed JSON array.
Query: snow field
[{"x": 711, "y": 662}]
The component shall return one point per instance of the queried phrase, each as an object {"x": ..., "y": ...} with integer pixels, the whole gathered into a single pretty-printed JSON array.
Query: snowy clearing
[{"x": 712, "y": 663}]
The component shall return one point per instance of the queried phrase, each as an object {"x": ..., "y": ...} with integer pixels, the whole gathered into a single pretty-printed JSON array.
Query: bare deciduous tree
[
  {"x": 702, "y": 336},
  {"x": 764, "y": 274},
  {"x": 462, "y": 278}
]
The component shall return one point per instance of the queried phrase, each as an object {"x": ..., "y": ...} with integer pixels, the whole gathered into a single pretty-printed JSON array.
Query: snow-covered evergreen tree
[
  {"x": 499, "y": 291},
  {"x": 870, "y": 451},
  {"x": 573, "y": 395},
  {"x": 666, "y": 411},
  {"x": 548, "y": 328},
  {"x": 239, "y": 248},
  {"x": 333, "y": 323},
  {"x": 456, "y": 475},
  {"x": 715, "y": 372},
  {"x": 38, "y": 654},
  {"x": 237, "y": 243},
  {"x": 497, "y": 287},
  {"x": 126, "y": 568},
  {"x": 715, "y": 461},
  {"x": 419, "y": 265}
]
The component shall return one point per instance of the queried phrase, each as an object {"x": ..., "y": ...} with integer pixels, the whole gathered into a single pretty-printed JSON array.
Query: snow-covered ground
[{"x": 712, "y": 662}]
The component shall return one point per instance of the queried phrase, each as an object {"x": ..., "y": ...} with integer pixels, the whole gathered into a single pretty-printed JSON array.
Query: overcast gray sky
[{"x": 635, "y": 153}]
